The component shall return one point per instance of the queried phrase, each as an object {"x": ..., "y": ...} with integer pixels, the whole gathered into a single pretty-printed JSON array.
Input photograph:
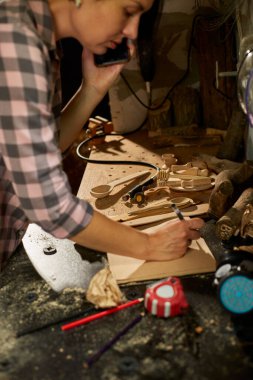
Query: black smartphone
[{"x": 118, "y": 55}]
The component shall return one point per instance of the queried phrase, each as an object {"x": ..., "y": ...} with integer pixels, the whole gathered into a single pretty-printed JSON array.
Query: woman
[{"x": 34, "y": 130}]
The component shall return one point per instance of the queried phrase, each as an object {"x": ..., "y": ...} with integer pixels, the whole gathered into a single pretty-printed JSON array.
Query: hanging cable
[{"x": 154, "y": 108}]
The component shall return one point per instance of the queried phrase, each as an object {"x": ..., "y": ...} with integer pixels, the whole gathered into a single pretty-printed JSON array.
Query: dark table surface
[{"x": 205, "y": 343}]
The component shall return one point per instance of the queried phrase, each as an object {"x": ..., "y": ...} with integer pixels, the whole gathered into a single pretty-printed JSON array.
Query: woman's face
[{"x": 101, "y": 24}]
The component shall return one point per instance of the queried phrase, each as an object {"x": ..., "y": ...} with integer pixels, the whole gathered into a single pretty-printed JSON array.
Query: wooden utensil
[
  {"x": 102, "y": 191},
  {"x": 134, "y": 220},
  {"x": 179, "y": 201}
]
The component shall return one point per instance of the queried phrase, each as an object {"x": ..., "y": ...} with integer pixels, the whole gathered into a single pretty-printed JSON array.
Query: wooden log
[
  {"x": 186, "y": 106},
  {"x": 220, "y": 196},
  {"x": 215, "y": 164},
  {"x": 233, "y": 145},
  {"x": 229, "y": 184},
  {"x": 246, "y": 229},
  {"x": 227, "y": 225},
  {"x": 159, "y": 119}
]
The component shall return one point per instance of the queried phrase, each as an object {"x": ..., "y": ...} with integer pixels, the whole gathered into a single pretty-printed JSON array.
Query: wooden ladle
[{"x": 102, "y": 191}]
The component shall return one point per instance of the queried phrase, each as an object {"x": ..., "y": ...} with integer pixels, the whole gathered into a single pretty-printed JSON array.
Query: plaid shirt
[{"x": 33, "y": 186}]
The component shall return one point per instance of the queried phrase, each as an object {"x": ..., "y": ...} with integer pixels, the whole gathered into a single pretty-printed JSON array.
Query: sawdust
[
  {"x": 28, "y": 305},
  {"x": 154, "y": 349}
]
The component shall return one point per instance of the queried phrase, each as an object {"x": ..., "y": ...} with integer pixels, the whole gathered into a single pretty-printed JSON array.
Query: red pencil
[{"x": 93, "y": 317}]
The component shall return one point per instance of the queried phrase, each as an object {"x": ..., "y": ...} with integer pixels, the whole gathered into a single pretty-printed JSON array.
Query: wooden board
[
  {"x": 198, "y": 259},
  {"x": 137, "y": 147}
]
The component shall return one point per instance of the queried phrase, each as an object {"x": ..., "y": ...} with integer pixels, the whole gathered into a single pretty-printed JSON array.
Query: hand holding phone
[{"x": 120, "y": 54}]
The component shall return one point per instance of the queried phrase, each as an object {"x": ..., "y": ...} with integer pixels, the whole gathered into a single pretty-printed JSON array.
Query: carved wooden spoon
[{"x": 102, "y": 191}]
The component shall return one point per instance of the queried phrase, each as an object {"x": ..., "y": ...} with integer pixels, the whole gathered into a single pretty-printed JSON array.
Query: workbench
[{"x": 205, "y": 343}]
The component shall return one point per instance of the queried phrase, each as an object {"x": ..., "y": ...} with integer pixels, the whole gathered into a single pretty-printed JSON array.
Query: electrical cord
[
  {"x": 221, "y": 92},
  {"x": 154, "y": 108},
  {"x": 84, "y": 142},
  {"x": 110, "y": 162}
]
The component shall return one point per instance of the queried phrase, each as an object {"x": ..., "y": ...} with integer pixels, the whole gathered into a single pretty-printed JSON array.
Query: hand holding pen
[
  {"x": 170, "y": 240},
  {"x": 177, "y": 211},
  {"x": 181, "y": 217}
]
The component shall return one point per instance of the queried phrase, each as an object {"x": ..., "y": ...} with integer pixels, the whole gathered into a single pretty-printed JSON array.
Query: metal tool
[
  {"x": 234, "y": 281},
  {"x": 57, "y": 261}
]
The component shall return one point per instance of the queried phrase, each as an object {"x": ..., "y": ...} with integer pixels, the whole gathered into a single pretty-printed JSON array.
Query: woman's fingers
[
  {"x": 194, "y": 226},
  {"x": 195, "y": 223},
  {"x": 171, "y": 240}
]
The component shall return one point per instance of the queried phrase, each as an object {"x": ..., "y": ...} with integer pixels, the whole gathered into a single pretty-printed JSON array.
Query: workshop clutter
[
  {"x": 231, "y": 198},
  {"x": 153, "y": 195},
  {"x": 162, "y": 299},
  {"x": 98, "y": 127},
  {"x": 102, "y": 191},
  {"x": 190, "y": 177},
  {"x": 231, "y": 206}
]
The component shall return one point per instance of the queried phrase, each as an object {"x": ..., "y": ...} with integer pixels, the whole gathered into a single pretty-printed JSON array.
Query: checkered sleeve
[{"x": 28, "y": 138}]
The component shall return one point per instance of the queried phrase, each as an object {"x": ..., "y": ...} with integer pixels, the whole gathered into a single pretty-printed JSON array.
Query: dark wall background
[{"x": 71, "y": 74}]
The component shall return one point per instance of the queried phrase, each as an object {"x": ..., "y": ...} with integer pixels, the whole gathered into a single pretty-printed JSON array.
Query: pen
[
  {"x": 101, "y": 314},
  {"x": 180, "y": 215},
  {"x": 177, "y": 211},
  {"x": 111, "y": 342}
]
